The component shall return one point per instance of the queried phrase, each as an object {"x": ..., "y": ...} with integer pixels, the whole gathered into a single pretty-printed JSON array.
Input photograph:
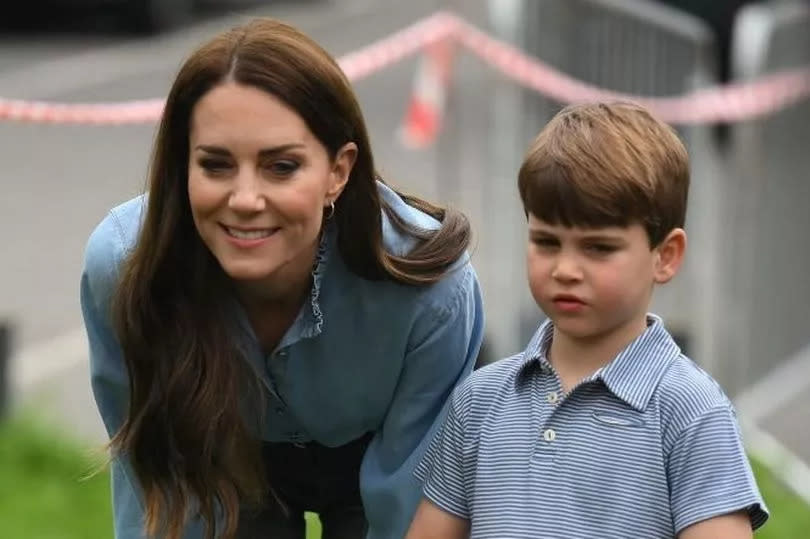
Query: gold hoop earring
[{"x": 331, "y": 211}]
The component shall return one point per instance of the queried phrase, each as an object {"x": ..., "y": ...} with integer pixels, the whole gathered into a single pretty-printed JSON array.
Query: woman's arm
[
  {"x": 107, "y": 368},
  {"x": 442, "y": 351}
]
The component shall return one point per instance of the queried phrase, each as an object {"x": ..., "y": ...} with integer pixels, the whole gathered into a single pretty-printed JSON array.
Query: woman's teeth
[{"x": 250, "y": 234}]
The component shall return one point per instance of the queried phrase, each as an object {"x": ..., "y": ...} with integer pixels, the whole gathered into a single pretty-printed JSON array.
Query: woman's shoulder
[
  {"x": 458, "y": 285},
  {"x": 110, "y": 242},
  {"x": 396, "y": 241}
]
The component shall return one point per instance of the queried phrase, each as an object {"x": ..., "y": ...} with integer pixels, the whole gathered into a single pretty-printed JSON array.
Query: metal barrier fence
[
  {"x": 646, "y": 48},
  {"x": 766, "y": 217},
  {"x": 632, "y": 46},
  {"x": 739, "y": 304}
]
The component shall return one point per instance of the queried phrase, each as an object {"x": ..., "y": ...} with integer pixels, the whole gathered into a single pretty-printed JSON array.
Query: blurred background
[{"x": 740, "y": 308}]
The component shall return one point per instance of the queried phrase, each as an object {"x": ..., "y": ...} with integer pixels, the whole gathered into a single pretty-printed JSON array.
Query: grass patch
[
  {"x": 45, "y": 492},
  {"x": 790, "y": 516}
]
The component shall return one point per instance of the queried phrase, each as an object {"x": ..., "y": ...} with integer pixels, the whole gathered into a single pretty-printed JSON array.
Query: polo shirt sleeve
[
  {"x": 442, "y": 469},
  {"x": 709, "y": 473}
]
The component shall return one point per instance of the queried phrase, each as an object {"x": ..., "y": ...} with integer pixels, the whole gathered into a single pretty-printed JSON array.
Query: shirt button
[
  {"x": 282, "y": 353},
  {"x": 552, "y": 397},
  {"x": 549, "y": 435},
  {"x": 279, "y": 410}
]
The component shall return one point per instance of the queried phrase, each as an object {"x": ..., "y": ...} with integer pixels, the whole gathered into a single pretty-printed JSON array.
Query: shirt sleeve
[
  {"x": 443, "y": 468},
  {"x": 108, "y": 374},
  {"x": 442, "y": 351},
  {"x": 709, "y": 473}
]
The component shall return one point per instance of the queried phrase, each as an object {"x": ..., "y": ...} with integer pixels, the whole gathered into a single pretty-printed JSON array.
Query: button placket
[{"x": 548, "y": 398}]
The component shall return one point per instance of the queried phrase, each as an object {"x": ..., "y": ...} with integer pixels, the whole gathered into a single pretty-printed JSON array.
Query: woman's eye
[
  {"x": 283, "y": 168},
  {"x": 214, "y": 166}
]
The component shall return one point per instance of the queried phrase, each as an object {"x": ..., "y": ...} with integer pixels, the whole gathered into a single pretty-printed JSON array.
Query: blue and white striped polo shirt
[{"x": 646, "y": 446}]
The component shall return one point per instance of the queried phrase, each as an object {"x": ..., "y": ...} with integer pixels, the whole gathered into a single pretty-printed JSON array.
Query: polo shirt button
[
  {"x": 549, "y": 435},
  {"x": 552, "y": 397}
]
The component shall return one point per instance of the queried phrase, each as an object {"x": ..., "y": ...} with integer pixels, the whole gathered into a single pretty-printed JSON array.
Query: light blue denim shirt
[{"x": 362, "y": 356}]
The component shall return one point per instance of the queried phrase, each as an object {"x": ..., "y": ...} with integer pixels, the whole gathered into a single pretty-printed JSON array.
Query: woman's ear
[
  {"x": 341, "y": 170},
  {"x": 669, "y": 256}
]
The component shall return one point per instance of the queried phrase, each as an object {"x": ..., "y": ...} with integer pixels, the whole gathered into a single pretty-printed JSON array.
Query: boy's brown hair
[{"x": 607, "y": 164}]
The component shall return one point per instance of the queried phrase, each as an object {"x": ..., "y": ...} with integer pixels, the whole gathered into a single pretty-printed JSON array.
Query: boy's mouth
[
  {"x": 567, "y": 298},
  {"x": 568, "y": 303}
]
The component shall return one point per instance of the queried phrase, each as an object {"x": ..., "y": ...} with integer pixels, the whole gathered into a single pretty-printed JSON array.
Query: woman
[{"x": 272, "y": 328}]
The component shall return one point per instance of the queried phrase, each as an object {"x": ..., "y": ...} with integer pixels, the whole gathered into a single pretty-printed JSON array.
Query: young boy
[{"x": 601, "y": 428}]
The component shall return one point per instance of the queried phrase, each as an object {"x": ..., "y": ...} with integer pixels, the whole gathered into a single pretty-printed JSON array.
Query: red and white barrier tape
[
  {"x": 131, "y": 112},
  {"x": 723, "y": 103},
  {"x": 356, "y": 66},
  {"x": 729, "y": 103},
  {"x": 415, "y": 38}
]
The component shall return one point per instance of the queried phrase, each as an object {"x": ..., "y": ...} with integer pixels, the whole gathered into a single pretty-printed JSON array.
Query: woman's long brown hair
[{"x": 191, "y": 428}]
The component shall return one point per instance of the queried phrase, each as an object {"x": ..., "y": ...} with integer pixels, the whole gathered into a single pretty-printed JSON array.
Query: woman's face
[{"x": 259, "y": 181}]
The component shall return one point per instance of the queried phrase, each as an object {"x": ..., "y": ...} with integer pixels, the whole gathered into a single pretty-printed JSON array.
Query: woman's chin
[{"x": 248, "y": 272}]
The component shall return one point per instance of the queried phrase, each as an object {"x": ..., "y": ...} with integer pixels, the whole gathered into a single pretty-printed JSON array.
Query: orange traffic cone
[{"x": 423, "y": 118}]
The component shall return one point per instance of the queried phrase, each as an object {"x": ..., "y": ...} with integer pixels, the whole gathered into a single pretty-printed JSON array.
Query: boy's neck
[{"x": 576, "y": 358}]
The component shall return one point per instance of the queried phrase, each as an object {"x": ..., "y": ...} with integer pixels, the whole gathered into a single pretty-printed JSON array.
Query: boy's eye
[
  {"x": 601, "y": 248},
  {"x": 545, "y": 242}
]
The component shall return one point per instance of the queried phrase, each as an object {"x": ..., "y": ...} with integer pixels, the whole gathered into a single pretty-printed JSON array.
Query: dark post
[{"x": 5, "y": 353}]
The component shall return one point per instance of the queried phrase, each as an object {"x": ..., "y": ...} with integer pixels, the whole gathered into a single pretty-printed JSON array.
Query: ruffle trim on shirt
[{"x": 318, "y": 268}]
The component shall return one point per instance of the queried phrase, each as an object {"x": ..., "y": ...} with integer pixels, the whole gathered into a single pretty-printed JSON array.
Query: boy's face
[{"x": 592, "y": 282}]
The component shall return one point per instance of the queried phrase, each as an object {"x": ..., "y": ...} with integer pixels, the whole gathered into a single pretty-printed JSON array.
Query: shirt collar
[
  {"x": 309, "y": 321},
  {"x": 535, "y": 353},
  {"x": 632, "y": 375}
]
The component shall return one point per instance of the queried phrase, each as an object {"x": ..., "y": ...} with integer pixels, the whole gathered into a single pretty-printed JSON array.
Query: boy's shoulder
[
  {"x": 489, "y": 384},
  {"x": 686, "y": 393}
]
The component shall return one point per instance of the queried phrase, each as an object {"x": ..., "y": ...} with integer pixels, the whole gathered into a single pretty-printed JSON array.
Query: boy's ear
[{"x": 669, "y": 255}]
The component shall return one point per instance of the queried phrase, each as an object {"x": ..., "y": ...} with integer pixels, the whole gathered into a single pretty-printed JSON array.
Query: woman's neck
[{"x": 286, "y": 288}]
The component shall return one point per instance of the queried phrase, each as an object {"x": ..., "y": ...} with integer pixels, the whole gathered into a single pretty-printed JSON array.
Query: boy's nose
[{"x": 566, "y": 270}]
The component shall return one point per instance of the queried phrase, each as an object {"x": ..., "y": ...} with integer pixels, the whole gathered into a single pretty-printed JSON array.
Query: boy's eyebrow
[
  {"x": 586, "y": 236},
  {"x": 541, "y": 232},
  {"x": 598, "y": 236}
]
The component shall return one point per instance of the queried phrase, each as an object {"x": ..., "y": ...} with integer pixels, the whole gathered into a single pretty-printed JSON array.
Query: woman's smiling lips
[{"x": 248, "y": 237}]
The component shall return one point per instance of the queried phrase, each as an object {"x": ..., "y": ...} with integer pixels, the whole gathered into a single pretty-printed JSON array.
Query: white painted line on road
[
  {"x": 772, "y": 392},
  {"x": 777, "y": 388},
  {"x": 45, "y": 360},
  {"x": 783, "y": 463}
]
